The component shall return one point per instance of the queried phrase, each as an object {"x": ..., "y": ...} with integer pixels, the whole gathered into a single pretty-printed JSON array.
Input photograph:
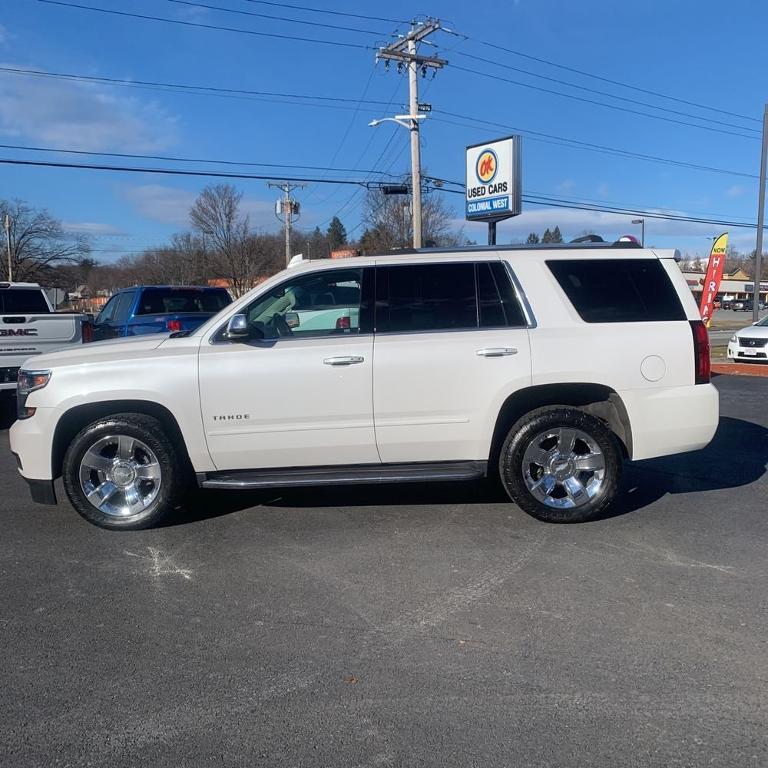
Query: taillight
[
  {"x": 87, "y": 332},
  {"x": 343, "y": 323},
  {"x": 173, "y": 325},
  {"x": 701, "y": 360}
]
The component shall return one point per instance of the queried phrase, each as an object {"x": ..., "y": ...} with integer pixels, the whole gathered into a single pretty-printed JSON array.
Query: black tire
[
  {"x": 170, "y": 467},
  {"x": 538, "y": 429}
]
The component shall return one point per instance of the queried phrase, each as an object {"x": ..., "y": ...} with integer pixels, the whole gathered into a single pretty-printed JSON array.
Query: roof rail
[{"x": 576, "y": 246}]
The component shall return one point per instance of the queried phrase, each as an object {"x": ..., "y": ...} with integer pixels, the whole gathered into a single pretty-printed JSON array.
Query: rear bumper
[{"x": 675, "y": 420}]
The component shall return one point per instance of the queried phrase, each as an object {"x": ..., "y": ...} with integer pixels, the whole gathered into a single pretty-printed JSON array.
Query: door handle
[
  {"x": 496, "y": 351},
  {"x": 347, "y": 360}
]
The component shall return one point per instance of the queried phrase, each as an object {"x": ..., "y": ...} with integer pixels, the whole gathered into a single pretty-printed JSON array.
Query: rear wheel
[
  {"x": 123, "y": 472},
  {"x": 561, "y": 465}
]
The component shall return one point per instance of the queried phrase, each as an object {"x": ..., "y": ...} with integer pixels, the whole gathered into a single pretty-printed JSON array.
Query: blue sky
[{"x": 702, "y": 52}]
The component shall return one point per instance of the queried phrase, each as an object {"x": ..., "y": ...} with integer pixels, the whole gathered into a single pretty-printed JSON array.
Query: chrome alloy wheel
[
  {"x": 120, "y": 475},
  {"x": 563, "y": 467}
]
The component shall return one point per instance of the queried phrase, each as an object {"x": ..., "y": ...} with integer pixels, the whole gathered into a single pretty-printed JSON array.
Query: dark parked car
[{"x": 158, "y": 309}]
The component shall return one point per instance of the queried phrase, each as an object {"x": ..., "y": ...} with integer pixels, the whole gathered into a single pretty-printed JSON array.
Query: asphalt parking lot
[{"x": 402, "y": 626}]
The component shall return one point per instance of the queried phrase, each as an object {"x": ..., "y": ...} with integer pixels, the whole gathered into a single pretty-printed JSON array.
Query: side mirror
[{"x": 237, "y": 328}]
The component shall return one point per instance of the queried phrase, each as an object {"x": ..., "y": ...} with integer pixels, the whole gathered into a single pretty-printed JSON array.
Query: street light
[
  {"x": 641, "y": 222},
  {"x": 411, "y": 122}
]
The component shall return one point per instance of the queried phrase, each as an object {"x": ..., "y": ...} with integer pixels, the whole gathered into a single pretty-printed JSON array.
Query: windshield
[{"x": 764, "y": 321}]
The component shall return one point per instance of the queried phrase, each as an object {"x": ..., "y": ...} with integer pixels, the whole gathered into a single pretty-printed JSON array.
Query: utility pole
[
  {"x": 7, "y": 228},
  {"x": 760, "y": 221},
  {"x": 405, "y": 50},
  {"x": 285, "y": 210}
]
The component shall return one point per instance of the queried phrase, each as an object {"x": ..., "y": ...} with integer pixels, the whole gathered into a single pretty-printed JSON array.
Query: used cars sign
[{"x": 494, "y": 180}]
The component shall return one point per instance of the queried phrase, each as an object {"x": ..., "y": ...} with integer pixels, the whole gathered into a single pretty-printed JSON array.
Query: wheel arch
[
  {"x": 80, "y": 416},
  {"x": 596, "y": 399}
]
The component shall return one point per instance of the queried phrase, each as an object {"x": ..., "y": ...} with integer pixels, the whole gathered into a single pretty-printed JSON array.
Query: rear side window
[
  {"x": 163, "y": 301},
  {"x": 425, "y": 297},
  {"x": 445, "y": 297},
  {"x": 23, "y": 301},
  {"x": 618, "y": 290}
]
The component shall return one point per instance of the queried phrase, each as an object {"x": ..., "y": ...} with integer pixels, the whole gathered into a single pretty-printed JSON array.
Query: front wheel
[
  {"x": 561, "y": 465},
  {"x": 122, "y": 472}
]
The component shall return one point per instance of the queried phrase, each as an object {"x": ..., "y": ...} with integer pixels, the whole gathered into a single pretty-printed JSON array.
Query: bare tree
[
  {"x": 389, "y": 223},
  {"x": 216, "y": 216},
  {"x": 38, "y": 243}
]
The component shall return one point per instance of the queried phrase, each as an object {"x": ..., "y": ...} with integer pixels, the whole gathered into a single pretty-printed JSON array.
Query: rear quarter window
[{"x": 618, "y": 290}]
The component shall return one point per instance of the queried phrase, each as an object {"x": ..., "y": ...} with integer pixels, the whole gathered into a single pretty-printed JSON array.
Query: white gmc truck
[
  {"x": 545, "y": 366},
  {"x": 29, "y": 327}
]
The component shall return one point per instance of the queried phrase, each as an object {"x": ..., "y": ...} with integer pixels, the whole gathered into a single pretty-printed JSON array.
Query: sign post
[{"x": 494, "y": 182}]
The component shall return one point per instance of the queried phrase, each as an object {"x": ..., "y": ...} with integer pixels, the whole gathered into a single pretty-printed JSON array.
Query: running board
[{"x": 352, "y": 475}]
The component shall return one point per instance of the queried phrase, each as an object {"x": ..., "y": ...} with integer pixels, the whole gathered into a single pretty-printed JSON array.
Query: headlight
[
  {"x": 29, "y": 381},
  {"x": 733, "y": 338}
]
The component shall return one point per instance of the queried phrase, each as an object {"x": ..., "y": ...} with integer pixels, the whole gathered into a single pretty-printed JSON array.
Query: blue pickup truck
[{"x": 158, "y": 309}]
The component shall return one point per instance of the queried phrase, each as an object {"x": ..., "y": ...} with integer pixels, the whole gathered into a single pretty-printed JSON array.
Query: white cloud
[
  {"x": 83, "y": 116},
  {"x": 735, "y": 190},
  {"x": 170, "y": 205},
  {"x": 260, "y": 212},
  {"x": 92, "y": 228},
  {"x": 566, "y": 185},
  {"x": 603, "y": 189},
  {"x": 5, "y": 35}
]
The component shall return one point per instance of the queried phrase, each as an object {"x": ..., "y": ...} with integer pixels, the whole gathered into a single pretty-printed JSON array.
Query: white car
[
  {"x": 545, "y": 366},
  {"x": 750, "y": 344}
]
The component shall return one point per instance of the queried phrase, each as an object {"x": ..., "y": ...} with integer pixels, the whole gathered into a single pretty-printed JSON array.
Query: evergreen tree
[
  {"x": 547, "y": 238},
  {"x": 337, "y": 235},
  {"x": 556, "y": 236},
  {"x": 533, "y": 238}
]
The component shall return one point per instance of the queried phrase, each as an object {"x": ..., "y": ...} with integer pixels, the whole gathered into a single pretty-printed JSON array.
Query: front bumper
[
  {"x": 746, "y": 354},
  {"x": 42, "y": 491},
  {"x": 32, "y": 444}
]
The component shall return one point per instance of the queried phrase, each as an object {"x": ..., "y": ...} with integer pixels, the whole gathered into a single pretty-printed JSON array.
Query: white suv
[{"x": 548, "y": 366}]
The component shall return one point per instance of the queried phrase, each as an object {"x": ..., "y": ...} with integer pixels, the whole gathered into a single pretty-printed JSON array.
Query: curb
[{"x": 741, "y": 369}]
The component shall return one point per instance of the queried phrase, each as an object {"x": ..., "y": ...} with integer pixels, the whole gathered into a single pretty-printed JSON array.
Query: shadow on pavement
[{"x": 737, "y": 456}]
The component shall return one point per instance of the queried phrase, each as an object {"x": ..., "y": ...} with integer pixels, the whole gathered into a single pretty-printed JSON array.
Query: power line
[
  {"x": 549, "y": 138},
  {"x": 592, "y": 101},
  {"x": 564, "y": 203},
  {"x": 557, "y": 202},
  {"x": 331, "y": 13},
  {"x": 336, "y": 102},
  {"x": 609, "y": 80},
  {"x": 170, "y": 171},
  {"x": 598, "y": 92},
  {"x": 349, "y": 126},
  {"x": 200, "y": 25},
  {"x": 206, "y": 90},
  {"x": 276, "y": 18},
  {"x": 171, "y": 158}
]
